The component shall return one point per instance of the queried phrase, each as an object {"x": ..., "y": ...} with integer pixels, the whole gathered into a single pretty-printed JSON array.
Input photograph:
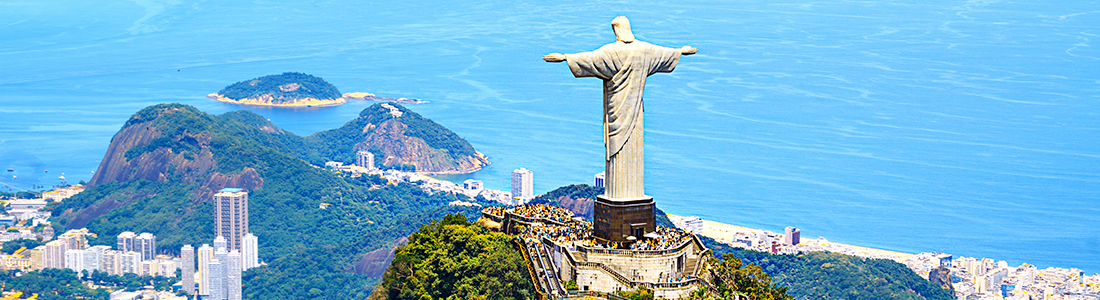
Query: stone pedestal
[{"x": 615, "y": 219}]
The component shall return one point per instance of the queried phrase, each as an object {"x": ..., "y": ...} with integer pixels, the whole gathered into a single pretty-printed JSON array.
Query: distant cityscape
[
  {"x": 217, "y": 274},
  {"x": 972, "y": 278}
]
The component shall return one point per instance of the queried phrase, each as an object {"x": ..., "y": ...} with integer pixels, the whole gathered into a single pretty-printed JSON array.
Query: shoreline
[
  {"x": 977, "y": 275},
  {"x": 267, "y": 100}
]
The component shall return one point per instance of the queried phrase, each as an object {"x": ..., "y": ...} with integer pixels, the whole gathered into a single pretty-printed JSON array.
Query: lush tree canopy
[
  {"x": 289, "y": 85},
  {"x": 454, "y": 259}
]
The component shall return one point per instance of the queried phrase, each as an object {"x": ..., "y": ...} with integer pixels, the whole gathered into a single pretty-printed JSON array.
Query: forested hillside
[
  {"x": 166, "y": 162},
  {"x": 282, "y": 87}
]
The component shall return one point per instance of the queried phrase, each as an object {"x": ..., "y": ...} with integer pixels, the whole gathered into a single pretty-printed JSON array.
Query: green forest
[
  {"x": 455, "y": 259},
  {"x": 308, "y": 86}
]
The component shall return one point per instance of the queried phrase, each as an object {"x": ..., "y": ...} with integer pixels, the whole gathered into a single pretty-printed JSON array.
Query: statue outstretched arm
[
  {"x": 687, "y": 50},
  {"x": 554, "y": 57}
]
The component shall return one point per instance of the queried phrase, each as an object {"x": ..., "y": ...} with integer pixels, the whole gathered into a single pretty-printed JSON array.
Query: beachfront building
[
  {"x": 599, "y": 179},
  {"x": 791, "y": 236},
  {"x": 523, "y": 182},
  {"x": 231, "y": 216},
  {"x": 693, "y": 224}
]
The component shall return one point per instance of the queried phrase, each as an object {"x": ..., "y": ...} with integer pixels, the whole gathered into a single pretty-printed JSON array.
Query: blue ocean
[{"x": 967, "y": 127}]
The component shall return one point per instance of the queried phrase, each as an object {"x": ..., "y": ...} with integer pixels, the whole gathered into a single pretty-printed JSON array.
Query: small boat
[
  {"x": 61, "y": 177},
  {"x": 13, "y": 177},
  {"x": 47, "y": 171},
  {"x": 11, "y": 170}
]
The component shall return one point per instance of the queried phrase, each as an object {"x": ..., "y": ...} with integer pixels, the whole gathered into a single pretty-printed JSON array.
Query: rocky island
[{"x": 290, "y": 89}]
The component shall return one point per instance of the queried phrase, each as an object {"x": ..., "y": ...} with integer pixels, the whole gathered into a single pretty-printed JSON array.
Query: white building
[
  {"x": 74, "y": 259},
  {"x": 146, "y": 244},
  {"x": 53, "y": 254},
  {"x": 187, "y": 264},
  {"x": 206, "y": 255},
  {"x": 93, "y": 258},
  {"x": 216, "y": 289},
  {"x": 250, "y": 256},
  {"x": 472, "y": 187},
  {"x": 130, "y": 262},
  {"x": 693, "y": 224},
  {"x": 233, "y": 276},
  {"x": 125, "y": 241},
  {"x": 523, "y": 182},
  {"x": 111, "y": 263},
  {"x": 599, "y": 179},
  {"x": 365, "y": 159}
]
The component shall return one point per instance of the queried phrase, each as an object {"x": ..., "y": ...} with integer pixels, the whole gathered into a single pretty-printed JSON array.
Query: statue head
[{"x": 621, "y": 26}]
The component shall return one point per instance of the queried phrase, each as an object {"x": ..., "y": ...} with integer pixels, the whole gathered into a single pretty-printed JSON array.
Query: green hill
[
  {"x": 282, "y": 88},
  {"x": 162, "y": 167},
  {"x": 455, "y": 259},
  {"x": 826, "y": 275}
]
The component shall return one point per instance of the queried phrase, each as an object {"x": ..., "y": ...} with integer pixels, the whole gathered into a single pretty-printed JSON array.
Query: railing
[
  {"x": 636, "y": 253},
  {"x": 522, "y": 247},
  {"x": 527, "y": 220}
]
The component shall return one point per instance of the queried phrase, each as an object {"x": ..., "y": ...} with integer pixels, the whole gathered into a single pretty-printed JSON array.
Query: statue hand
[
  {"x": 688, "y": 50},
  {"x": 554, "y": 57}
]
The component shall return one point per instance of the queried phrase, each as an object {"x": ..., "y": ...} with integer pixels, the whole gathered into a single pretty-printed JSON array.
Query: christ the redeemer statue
[{"x": 623, "y": 66}]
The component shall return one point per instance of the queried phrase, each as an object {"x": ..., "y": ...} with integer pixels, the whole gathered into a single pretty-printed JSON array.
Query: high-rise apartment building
[
  {"x": 187, "y": 266},
  {"x": 125, "y": 241},
  {"x": 74, "y": 259},
  {"x": 791, "y": 236},
  {"x": 365, "y": 159},
  {"x": 233, "y": 275},
  {"x": 250, "y": 257},
  {"x": 111, "y": 262},
  {"x": 130, "y": 262},
  {"x": 146, "y": 244},
  {"x": 523, "y": 183},
  {"x": 231, "y": 216},
  {"x": 217, "y": 280},
  {"x": 75, "y": 238},
  {"x": 599, "y": 179},
  {"x": 93, "y": 258},
  {"x": 206, "y": 255},
  {"x": 53, "y": 254}
]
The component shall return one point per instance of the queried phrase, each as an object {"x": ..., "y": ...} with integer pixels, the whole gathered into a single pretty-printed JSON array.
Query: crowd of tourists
[
  {"x": 494, "y": 210},
  {"x": 667, "y": 238},
  {"x": 576, "y": 232},
  {"x": 543, "y": 211}
]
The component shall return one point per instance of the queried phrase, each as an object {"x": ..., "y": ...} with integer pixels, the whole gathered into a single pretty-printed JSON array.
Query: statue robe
[{"x": 624, "y": 68}]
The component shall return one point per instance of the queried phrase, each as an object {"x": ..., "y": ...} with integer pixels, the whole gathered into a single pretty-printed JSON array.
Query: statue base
[{"x": 623, "y": 220}]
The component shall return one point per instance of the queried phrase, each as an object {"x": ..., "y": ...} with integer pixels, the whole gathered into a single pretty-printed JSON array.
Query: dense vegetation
[
  {"x": 575, "y": 191},
  {"x": 281, "y": 89},
  {"x": 455, "y": 259},
  {"x": 308, "y": 249},
  {"x": 51, "y": 284},
  {"x": 67, "y": 284},
  {"x": 824, "y": 275}
]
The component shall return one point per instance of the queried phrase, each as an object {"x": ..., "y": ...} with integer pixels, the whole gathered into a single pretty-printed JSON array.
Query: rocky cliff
[{"x": 398, "y": 136}]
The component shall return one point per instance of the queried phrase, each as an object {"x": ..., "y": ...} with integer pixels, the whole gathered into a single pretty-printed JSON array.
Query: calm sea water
[{"x": 969, "y": 127}]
